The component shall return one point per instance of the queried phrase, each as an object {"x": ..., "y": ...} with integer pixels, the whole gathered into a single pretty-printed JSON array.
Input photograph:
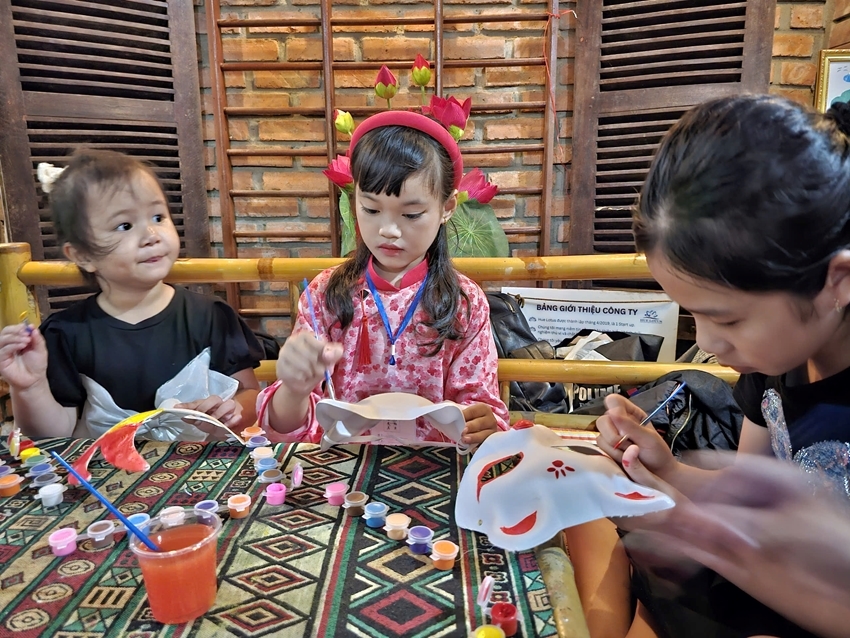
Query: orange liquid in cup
[{"x": 180, "y": 588}]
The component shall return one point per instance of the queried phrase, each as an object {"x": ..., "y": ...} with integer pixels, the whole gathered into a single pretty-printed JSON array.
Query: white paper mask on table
[
  {"x": 390, "y": 419},
  {"x": 195, "y": 381},
  {"x": 521, "y": 488}
]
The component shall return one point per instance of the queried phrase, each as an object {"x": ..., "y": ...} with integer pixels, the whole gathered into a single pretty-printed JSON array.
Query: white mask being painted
[{"x": 521, "y": 488}]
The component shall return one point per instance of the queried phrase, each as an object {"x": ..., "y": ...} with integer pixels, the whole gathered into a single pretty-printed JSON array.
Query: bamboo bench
[{"x": 19, "y": 274}]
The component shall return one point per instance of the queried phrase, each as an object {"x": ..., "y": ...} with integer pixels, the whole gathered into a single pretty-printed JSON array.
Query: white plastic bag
[{"x": 195, "y": 381}]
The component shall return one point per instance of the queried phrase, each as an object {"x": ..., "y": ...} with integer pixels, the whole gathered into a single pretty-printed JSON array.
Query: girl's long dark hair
[
  {"x": 382, "y": 161},
  {"x": 752, "y": 192}
]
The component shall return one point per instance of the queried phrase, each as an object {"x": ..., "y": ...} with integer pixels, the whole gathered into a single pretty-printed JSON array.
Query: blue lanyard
[{"x": 407, "y": 317}]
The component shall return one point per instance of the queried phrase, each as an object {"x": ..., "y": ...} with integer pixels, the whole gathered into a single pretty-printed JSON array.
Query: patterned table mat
[{"x": 300, "y": 569}]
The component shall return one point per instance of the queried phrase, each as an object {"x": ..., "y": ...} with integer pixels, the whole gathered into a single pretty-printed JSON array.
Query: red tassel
[{"x": 364, "y": 355}]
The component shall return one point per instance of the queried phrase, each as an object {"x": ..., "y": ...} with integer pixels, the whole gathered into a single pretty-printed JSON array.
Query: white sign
[{"x": 557, "y": 314}]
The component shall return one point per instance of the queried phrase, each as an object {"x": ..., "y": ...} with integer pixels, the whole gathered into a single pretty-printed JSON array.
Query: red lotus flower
[
  {"x": 421, "y": 71},
  {"x": 386, "y": 84},
  {"x": 339, "y": 172},
  {"x": 450, "y": 113},
  {"x": 474, "y": 185}
]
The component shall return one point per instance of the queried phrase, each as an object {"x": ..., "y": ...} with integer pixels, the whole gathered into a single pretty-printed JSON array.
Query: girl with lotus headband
[{"x": 396, "y": 316}]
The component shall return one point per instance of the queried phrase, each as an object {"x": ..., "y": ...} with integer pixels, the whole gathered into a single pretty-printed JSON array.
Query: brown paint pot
[
  {"x": 239, "y": 505},
  {"x": 355, "y": 502}
]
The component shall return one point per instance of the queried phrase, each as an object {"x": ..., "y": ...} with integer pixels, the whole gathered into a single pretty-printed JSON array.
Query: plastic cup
[
  {"x": 63, "y": 542},
  {"x": 28, "y": 452},
  {"x": 419, "y": 539},
  {"x": 261, "y": 453},
  {"x": 444, "y": 554},
  {"x": 35, "y": 459},
  {"x": 488, "y": 631},
  {"x": 10, "y": 484},
  {"x": 271, "y": 476},
  {"x": 297, "y": 475},
  {"x": 4, "y": 470},
  {"x": 276, "y": 494},
  {"x": 180, "y": 579},
  {"x": 252, "y": 431},
  {"x": 335, "y": 493},
  {"x": 100, "y": 533},
  {"x": 172, "y": 516},
  {"x": 45, "y": 479},
  {"x": 396, "y": 526},
  {"x": 239, "y": 505},
  {"x": 51, "y": 495},
  {"x": 504, "y": 615},
  {"x": 257, "y": 442},
  {"x": 354, "y": 503},
  {"x": 375, "y": 514},
  {"x": 39, "y": 469},
  {"x": 261, "y": 465},
  {"x": 140, "y": 520},
  {"x": 208, "y": 506}
]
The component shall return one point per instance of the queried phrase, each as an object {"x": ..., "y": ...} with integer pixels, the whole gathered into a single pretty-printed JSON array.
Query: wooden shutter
[
  {"x": 639, "y": 66},
  {"x": 112, "y": 74}
]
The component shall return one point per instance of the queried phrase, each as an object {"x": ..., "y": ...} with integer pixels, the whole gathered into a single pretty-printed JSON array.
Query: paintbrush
[
  {"x": 328, "y": 383},
  {"x": 649, "y": 416}
]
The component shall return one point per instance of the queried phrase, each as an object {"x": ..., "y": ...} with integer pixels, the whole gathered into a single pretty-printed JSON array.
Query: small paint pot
[
  {"x": 261, "y": 453},
  {"x": 488, "y": 631},
  {"x": 4, "y": 470},
  {"x": 39, "y": 469},
  {"x": 63, "y": 541},
  {"x": 354, "y": 503},
  {"x": 375, "y": 514},
  {"x": 271, "y": 476},
  {"x": 261, "y": 465},
  {"x": 396, "y": 526},
  {"x": 257, "y": 442},
  {"x": 335, "y": 493},
  {"x": 419, "y": 538},
  {"x": 10, "y": 484},
  {"x": 30, "y": 452},
  {"x": 51, "y": 495},
  {"x": 297, "y": 475},
  {"x": 239, "y": 505},
  {"x": 444, "y": 554},
  {"x": 252, "y": 431},
  {"x": 504, "y": 615},
  {"x": 208, "y": 506},
  {"x": 35, "y": 459},
  {"x": 100, "y": 533},
  {"x": 172, "y": 516},
  {"x": 45, "y": 479},
  {"x": 276, "y": 494},
  {"x": 140, "y": 520}
]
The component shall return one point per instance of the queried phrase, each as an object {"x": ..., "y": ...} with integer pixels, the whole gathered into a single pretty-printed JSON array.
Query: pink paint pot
[
  {"x": 276, "y": 494},
  {"x": 63, "y": 542},
  {"x": 335, "y": 493},
  {"x": 239, "y": 505}
]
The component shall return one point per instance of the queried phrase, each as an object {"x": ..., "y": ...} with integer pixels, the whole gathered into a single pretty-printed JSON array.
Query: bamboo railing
[{"x": 19, "y": 274}]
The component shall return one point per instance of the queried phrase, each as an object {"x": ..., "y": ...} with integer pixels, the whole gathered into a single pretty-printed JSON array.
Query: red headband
[{"x": 415, "y": 121}]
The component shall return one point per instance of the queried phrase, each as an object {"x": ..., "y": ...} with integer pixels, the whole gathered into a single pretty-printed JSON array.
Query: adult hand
[{"x": 760, "y": 524}]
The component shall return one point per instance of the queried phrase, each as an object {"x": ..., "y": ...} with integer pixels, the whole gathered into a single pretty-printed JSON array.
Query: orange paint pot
[
  {"x": 239, "y": 505},
  {"x": 254, "y": 430},
  {"x": 10, "y": 484},
  {"x": 444, "y": 554}
]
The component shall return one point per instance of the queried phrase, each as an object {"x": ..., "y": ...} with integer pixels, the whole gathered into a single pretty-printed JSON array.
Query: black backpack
[{"x": 514, "y": 340}]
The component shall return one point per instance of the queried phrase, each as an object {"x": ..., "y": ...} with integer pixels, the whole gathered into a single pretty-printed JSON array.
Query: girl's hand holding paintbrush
[
  {"x": 644, "y": 455},
  {"x": 23, "y": 356},
  {"x": 304, "y": 360}
]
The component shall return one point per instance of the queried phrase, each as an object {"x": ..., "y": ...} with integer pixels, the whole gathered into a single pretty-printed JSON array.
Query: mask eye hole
[{"x": 494, "y": 470}]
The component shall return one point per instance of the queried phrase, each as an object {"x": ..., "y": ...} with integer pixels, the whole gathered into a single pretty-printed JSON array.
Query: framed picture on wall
[{"x": 833, "y": 82}]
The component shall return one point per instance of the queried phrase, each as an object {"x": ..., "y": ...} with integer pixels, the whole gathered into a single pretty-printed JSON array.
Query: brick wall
[
  {"x": 839, "y": 34},
  {"x": 484, "y": 41},
  {"x": 800, "y": 34}
]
